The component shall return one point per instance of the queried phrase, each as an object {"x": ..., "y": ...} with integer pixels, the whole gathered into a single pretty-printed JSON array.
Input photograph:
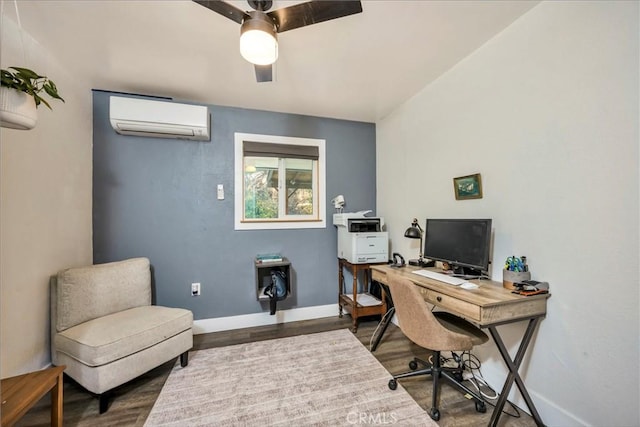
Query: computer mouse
[{"x": 468, "y": 285}]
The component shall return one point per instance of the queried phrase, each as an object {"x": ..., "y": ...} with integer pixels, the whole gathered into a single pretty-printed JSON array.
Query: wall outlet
[{"x": 195, "y": 289}]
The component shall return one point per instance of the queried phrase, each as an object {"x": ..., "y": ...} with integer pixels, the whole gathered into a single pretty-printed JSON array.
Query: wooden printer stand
[{"x": 349, "y": 302}]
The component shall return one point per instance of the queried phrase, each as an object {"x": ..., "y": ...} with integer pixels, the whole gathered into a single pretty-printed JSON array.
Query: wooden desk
[
  {"x": 18, "y": 394},
  {"x": 351, "y": 305},
  {"x": 488, "y": 306}
]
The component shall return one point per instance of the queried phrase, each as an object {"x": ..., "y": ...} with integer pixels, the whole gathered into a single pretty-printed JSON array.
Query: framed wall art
[{"x": 468, "y": 187}]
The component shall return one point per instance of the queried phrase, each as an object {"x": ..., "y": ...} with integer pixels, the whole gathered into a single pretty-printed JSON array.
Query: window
[{"x": 279, "y": 182}]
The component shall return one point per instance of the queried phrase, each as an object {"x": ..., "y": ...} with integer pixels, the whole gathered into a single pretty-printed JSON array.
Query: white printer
[{"x": 360, "y": 238}]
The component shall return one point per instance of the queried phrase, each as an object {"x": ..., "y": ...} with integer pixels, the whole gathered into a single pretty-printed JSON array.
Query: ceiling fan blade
[
  {"x": 264, "y": 73},
  {"x": 224, "y": 9},
  {"x": 313, "y": 12}
]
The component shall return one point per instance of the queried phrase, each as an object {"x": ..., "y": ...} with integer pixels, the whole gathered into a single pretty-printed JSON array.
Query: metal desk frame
[{"x": 488, "y": 307}]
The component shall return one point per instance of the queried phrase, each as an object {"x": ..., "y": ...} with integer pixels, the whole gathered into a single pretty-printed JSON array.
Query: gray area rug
[{"x": 324, "y": 379}]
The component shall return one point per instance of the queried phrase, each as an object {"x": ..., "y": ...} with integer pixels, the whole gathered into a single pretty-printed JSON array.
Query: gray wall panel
[{"x": 157, "y": 198}]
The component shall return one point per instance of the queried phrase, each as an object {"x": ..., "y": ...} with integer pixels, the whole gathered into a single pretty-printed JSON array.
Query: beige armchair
[{"x": 105, "y": 330}]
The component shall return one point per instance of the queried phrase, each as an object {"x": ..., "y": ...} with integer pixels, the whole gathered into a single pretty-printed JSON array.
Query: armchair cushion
[
  {"x": 112, "y": 337},
  {"x": 87, "y": 293}
]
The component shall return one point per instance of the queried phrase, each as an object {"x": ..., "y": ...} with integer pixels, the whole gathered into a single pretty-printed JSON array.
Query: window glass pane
[
  {"x": 279, "y": 182},
  {"x": 260, "y": 187},
  {"x": 299, "y": 186}
]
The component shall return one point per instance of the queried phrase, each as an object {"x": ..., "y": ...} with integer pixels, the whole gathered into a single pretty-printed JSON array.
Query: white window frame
[{"x": 239, "y": 222}]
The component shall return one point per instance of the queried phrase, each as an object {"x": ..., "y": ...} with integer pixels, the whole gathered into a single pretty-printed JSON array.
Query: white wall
[
  {"x": 45, "y": 203},
  {"x": 547, "y": 112}
]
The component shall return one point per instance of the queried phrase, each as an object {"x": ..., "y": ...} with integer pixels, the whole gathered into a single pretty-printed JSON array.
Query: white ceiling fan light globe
[
  {"x": 258, "y": 47},
  {"x": 258, "y": 39}
]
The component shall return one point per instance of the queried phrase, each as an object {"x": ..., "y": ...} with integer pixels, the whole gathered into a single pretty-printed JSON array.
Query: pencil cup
[{"x": 510, "y": 277}]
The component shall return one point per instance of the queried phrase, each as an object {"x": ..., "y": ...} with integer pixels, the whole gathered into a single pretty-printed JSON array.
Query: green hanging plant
[{"x": 30, "y": 82}]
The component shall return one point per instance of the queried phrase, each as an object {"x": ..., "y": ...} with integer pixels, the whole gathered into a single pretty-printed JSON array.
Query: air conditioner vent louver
[{"x": 159, "y": 119}]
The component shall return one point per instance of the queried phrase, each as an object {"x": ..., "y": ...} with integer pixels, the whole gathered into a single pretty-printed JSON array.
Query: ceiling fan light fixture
[{"x": 258, "y": 39}]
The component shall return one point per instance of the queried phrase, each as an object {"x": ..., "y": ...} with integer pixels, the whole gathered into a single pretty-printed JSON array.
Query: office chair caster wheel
[
  {"x": 434, "y": 414},
  {"x": 413, "y": 365},
  {"x": 393, "y": 384},
  {"x": 481, "y": 407}
]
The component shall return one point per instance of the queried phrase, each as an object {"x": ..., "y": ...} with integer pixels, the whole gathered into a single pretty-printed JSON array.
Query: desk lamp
[{"x": 415, "y": 232}]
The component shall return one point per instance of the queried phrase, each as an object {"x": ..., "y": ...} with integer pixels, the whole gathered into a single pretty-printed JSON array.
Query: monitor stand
[{"x": 466, "y": 272}]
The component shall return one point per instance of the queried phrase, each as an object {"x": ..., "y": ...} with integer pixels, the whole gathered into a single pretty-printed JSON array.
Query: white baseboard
[
  {"x": 550, "y": 412},
  {"x": 218, "y": 324}
]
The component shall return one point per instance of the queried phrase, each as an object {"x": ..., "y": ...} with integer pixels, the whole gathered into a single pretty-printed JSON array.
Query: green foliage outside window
[
  {"x": 260, "y": 198},
  {"x": 261, "y": 187}
]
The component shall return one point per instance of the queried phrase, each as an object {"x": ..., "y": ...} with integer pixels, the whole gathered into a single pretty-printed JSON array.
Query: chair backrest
[
  {"x": 417, "y": 321},
  {"x": 86, "y": 293}
]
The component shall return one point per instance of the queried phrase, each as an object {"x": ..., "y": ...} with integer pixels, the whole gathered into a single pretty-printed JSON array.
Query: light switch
[{"x": 220, "y": 192}]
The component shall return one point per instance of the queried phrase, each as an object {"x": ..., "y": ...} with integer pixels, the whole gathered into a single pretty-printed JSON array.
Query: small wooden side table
[
  {"x": 350, "y": 302},
  {"x": 18, "y": 394}
]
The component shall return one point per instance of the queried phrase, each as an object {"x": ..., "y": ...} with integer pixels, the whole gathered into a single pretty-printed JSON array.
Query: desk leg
[
  {"x": 386, "y": 319},
  {"x": 56, "y": 402},
  {"x": 340, "y": 287},
  {"x": 366, "y": 282},
  {"x": 513, "y": 366},
  {"x": 354, "y": 311}
]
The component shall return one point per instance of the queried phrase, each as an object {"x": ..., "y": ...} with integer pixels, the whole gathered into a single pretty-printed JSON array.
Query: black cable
[
  {"x": 515, "y": 408},
  {"x": 474, "y": 364}
]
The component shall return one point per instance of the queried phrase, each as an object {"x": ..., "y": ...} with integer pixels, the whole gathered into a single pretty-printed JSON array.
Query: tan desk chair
[{"x": 436, "y": 331}]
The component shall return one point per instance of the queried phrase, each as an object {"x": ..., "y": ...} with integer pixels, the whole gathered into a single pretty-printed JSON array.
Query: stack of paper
[{"x": 365, "y": 300}]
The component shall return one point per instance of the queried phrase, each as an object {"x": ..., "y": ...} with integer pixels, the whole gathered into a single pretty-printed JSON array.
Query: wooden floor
[{"x": 133, "y": 401}]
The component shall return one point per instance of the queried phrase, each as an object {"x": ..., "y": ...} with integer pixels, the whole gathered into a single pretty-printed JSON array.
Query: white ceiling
[{"x": 358, "y": 67}]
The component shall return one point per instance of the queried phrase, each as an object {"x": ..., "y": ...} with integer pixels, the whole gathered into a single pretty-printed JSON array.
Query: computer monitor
[{"x": 462, "y": 243}]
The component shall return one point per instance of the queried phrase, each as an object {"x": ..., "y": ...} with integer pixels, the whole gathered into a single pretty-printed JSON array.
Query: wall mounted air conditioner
[{"x": 159, "y": 119}]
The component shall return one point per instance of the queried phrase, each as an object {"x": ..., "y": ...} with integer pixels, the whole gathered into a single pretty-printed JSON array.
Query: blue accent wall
[{"x": 156, "y": 198}]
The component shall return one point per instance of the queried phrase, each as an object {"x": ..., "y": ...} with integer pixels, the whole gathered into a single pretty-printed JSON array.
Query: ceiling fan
[{"x": 259, "y": 28}]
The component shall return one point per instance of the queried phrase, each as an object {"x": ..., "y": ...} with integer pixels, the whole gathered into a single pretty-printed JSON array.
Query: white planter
[
  {"x": 510, "y": 278},
  {"x": 17, "y": 109}
]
